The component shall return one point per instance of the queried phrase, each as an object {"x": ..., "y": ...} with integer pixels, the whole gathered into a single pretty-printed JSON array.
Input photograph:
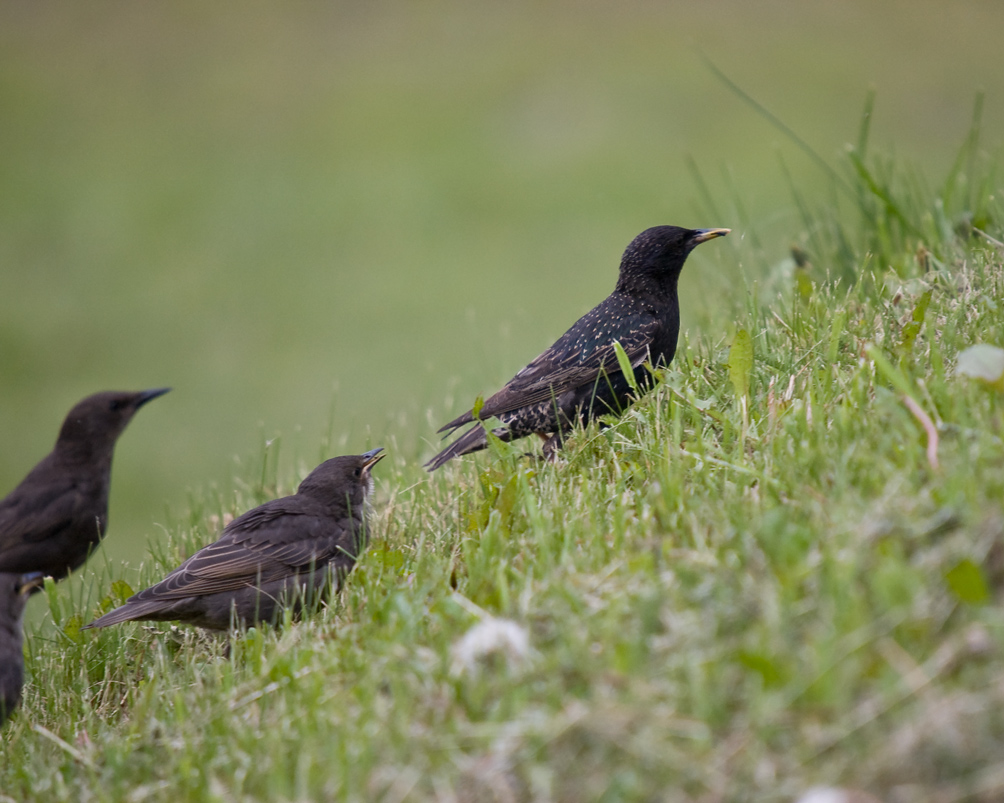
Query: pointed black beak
[
  {"x": 149, "y": 395},
  {"x": 703, "y": 235}
]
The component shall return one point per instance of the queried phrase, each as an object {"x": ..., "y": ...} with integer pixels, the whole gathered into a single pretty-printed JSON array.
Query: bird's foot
[{"x": 551, "y": 446}]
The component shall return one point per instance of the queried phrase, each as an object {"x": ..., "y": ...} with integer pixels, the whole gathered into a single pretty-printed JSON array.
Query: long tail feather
[
  {"x": 471, "y": 441},
  {"x": 456, "y": 424},
  {"x": 126, "y": 613}
]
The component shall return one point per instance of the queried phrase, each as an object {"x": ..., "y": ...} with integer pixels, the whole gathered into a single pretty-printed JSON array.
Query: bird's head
[
  {"x": 343, "y": 480},
  {"x": 14, "y": 592},
  {"x": 654, "y": 259},
  {"x": 98, "y": 420}
]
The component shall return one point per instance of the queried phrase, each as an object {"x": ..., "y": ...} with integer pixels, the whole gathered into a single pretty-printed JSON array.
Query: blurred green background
[{"x": 339, "y": 222}]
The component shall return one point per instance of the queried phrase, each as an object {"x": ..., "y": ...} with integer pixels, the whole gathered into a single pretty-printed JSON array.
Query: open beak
[
  {"x": 703, "y": 235},
  {"x": 29, "y": 582},
  {"x": 373, "y": 456},
  {"x": 149, "y": 395}
]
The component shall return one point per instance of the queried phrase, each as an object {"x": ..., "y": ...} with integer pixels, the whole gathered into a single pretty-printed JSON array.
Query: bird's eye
[
  {"x": 358, "y": 472},
  {"x": 116, "y": 405}
]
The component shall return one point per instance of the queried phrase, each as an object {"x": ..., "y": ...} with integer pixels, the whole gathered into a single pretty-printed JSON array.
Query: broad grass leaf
[
  {"x": 967, "y": 583},
  {"x": 803, "y": 284},
  {"x": 391, "y": 559},
  {"x": 71, "y": 628},
  {"x": 912, "y": 329},
  {"x": 121, "y": 590},
  {"x": 625, "y": 366},
  {"x": 506, "y": 501},
  {"x": 891, "y": 373},
  {"x": 741, "y": 362},
  {"x": 763, "y": 666}
]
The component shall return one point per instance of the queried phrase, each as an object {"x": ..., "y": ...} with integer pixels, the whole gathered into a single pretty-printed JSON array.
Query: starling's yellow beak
[{"x": 703, "y": 235}]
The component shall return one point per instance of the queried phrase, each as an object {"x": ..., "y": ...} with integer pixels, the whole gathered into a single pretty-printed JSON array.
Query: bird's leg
[
  {"x": 551, "y": 446},
  {"x": 548, "y": 451}
]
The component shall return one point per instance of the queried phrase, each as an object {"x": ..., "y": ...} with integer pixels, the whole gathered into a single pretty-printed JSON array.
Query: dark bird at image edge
[
  {"x": 280, "y": 553},
  {"x": 58, "y": 514},
  {"x": 579, "y": 378},
  {"x": 14, "y": 591}
]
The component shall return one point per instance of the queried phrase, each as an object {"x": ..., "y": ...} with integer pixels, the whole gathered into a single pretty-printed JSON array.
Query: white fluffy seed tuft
[{"x": 488, "y": 637}]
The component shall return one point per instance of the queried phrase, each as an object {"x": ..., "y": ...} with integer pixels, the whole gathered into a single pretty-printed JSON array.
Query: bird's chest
[{"x": 665, "y": 333}]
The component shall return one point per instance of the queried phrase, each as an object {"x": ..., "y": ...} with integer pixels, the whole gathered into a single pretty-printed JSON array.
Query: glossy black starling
[
  {"x": 56, "y": 517},
  {"x": 275, "y": 555},
  {"x": 579, "y": 377},
  {"x": 14, "y": 591}
]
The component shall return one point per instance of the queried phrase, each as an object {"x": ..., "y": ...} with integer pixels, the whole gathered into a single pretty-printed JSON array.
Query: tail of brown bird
[
  {"x": 474, "y": 440},
  {"x": 125, "y": 613}
]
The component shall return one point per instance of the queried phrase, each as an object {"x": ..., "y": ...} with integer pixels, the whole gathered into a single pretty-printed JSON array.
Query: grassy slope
[
  {"x": 234, "y": 204},
  {"x": 724, "y": 600}
]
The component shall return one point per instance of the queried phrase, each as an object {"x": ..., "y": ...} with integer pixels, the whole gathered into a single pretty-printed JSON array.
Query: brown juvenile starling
[
  {"x": 57, "y": 516},
  {"x": 280, "y": 554},
  {"x": 14, "y": 591},
  {"x": 579, "y": 377}
]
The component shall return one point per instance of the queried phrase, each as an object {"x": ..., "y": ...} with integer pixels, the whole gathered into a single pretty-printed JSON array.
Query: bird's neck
[
  {"x": 647, "y": 288},
  {"x": 96, "y": 457},
  {"x": 10, "y": 624},
  {"x": 337, "y": 508}
]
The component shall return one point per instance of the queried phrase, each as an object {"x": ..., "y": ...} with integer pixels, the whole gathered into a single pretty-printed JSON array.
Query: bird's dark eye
[
  {"x": 358, "y": 472},
  {"x": 116, "y": 405}
]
